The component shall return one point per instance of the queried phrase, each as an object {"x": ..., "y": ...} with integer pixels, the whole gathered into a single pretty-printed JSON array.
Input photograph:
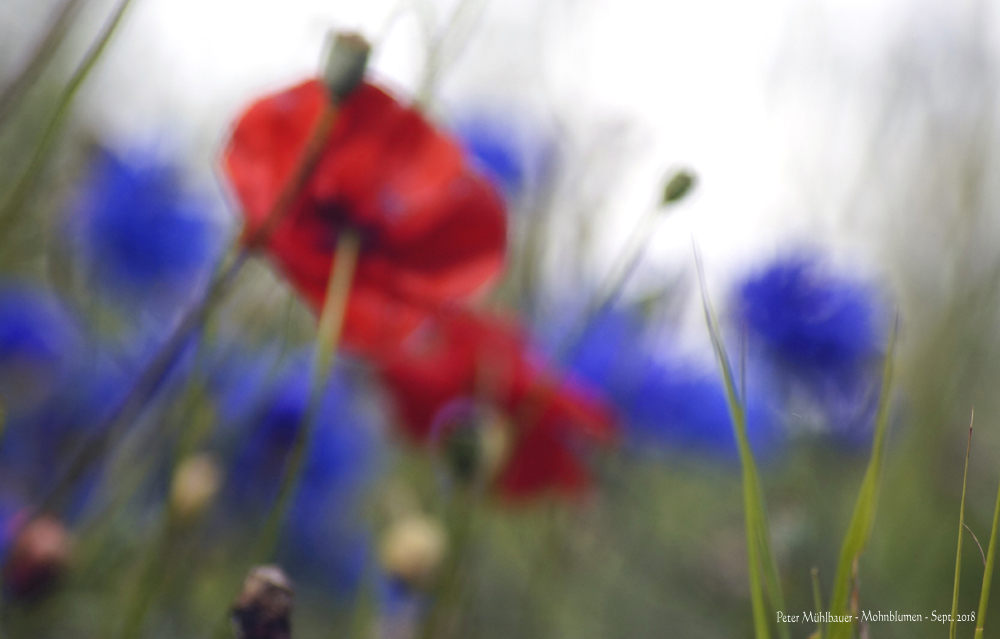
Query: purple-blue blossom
[
  {"x": 822, "y": 335},
  {"x": 321, "y": 536},
  {"x": 141, "y": 232},
  {"x": 40, "y": 341},
  {"x": 668, "y": 404}
]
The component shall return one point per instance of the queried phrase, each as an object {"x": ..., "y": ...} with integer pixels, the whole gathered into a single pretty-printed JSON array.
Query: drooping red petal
[
  {"x": 453, "y": 356},
  {"x": 543, "y": 461},
  {"x": 461, "y": 355},
  {"x": 432, "y": 229}
]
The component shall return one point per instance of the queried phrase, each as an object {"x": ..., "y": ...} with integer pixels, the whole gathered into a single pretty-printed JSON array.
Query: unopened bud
[
  {"x": 264, "y": 608},
  {"x": 475, "y": 441},
  {"x": 346, "y": 64},
  {"x": 195, "y": 484},
  {"x": 38, "y": 557},
  {"x": 678, "y": 187},
  {"x": 412, "y": 549}
]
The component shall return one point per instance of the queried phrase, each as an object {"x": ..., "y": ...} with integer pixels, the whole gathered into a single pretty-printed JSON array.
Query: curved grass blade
[
  {"x": 984, "y": 595},
  {"x": 14, "y": 90},
  {"x": 817, "y": 601},
  {"x": 22, "y": 188},
  {"x": 762, "y": 566},
  {"x": 863, "y": 518},
  {"x": 225, "y": 275},
  {"x": 961, "y": 532}
]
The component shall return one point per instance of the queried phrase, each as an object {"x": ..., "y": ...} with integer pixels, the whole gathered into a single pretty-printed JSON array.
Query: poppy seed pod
[{"x": 345, "y": 64}]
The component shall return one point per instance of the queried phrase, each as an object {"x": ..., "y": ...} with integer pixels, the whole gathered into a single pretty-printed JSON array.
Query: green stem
[
  {"x": 619, "y": 274},
  {"x": 984, "y": 596},
  {"x": 364, "y": 610},
  {"x": 135, "y": 400},
  {"x": 763, "y": 568},
  {"x": 144, "y": 593},
  {"x": 961, "y": 533},
  {"x": 22, "y": 188},
  {"x": 447, "y": 587},
  {"x": 114, "y": 426},
  {"x": 16, "y": 88},
  {"x": 817, "y": 601},
  {"x": 863, "y": 517},
  {"x": 331, "y": 324},
  {"x": 143, "y": 596}
]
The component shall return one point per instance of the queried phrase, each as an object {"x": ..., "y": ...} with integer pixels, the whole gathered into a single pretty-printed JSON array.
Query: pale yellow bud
[
  {"x": 195, "y": 483},
  {"x": 412, "y": 549}
]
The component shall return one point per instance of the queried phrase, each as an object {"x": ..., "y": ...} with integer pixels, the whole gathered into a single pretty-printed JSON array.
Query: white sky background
[{"x": 702, "y": 84}]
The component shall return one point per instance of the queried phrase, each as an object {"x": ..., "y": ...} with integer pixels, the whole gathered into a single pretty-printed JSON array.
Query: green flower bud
[{"x": 678, "y": 187}]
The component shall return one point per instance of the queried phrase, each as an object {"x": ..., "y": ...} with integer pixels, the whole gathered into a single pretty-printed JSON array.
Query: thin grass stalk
[
  {"x": 762, "y": 565},
  {"x": 817, "y": 601},
  {"x": 117, "y": 421},
  {"x": 22, "y": 188},
  {"x": 961, "y": 532},
  {"x": 984, "y": 595},
  {"x": 132, "y": 404},
  {"x": 14, "y": 90},
  {"x": 156, "y": 560},
  {"x": 447, "y": 586},
  {"x": 365, "y": 603},
  {"x": 863, "y": 518},
  {"x": 625, "y": 264}
]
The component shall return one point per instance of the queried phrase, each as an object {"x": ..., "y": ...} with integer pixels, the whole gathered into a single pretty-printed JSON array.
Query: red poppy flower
[
  {"x": 431, "y": 229},
  {"x": 461, "y": 356}
]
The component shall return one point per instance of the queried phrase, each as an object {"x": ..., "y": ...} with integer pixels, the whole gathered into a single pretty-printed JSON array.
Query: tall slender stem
[
  {"x": 172, "y": 524},
  {"x": 132, "y": 404},
  {"x": 331, "y": 324},
  {"x": 22, "y": 188},
  {"x": 817, "y": 601},
  {"x": 984, "y": 595},
  {"x": 961, "y": 533},
  {"x": 447, "y": 589},
  {"x": 15, "y": 89}
]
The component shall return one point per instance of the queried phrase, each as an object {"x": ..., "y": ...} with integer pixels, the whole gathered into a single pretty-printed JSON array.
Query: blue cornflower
[
  {"x": 322, "y": 533},
  {"x": 141, "y": 232},
  {"x": 668, "y": 405},
  {"x": 38, "y": 444},
  {"x": 239, "y": 378},
  {"x": 400, "y": 605},
  {"x": 39, "y": 343},
  {"x": 822, "y": 336},
  {"x": 809, "y": 319},
  {"x": 512, "y": 154}
]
